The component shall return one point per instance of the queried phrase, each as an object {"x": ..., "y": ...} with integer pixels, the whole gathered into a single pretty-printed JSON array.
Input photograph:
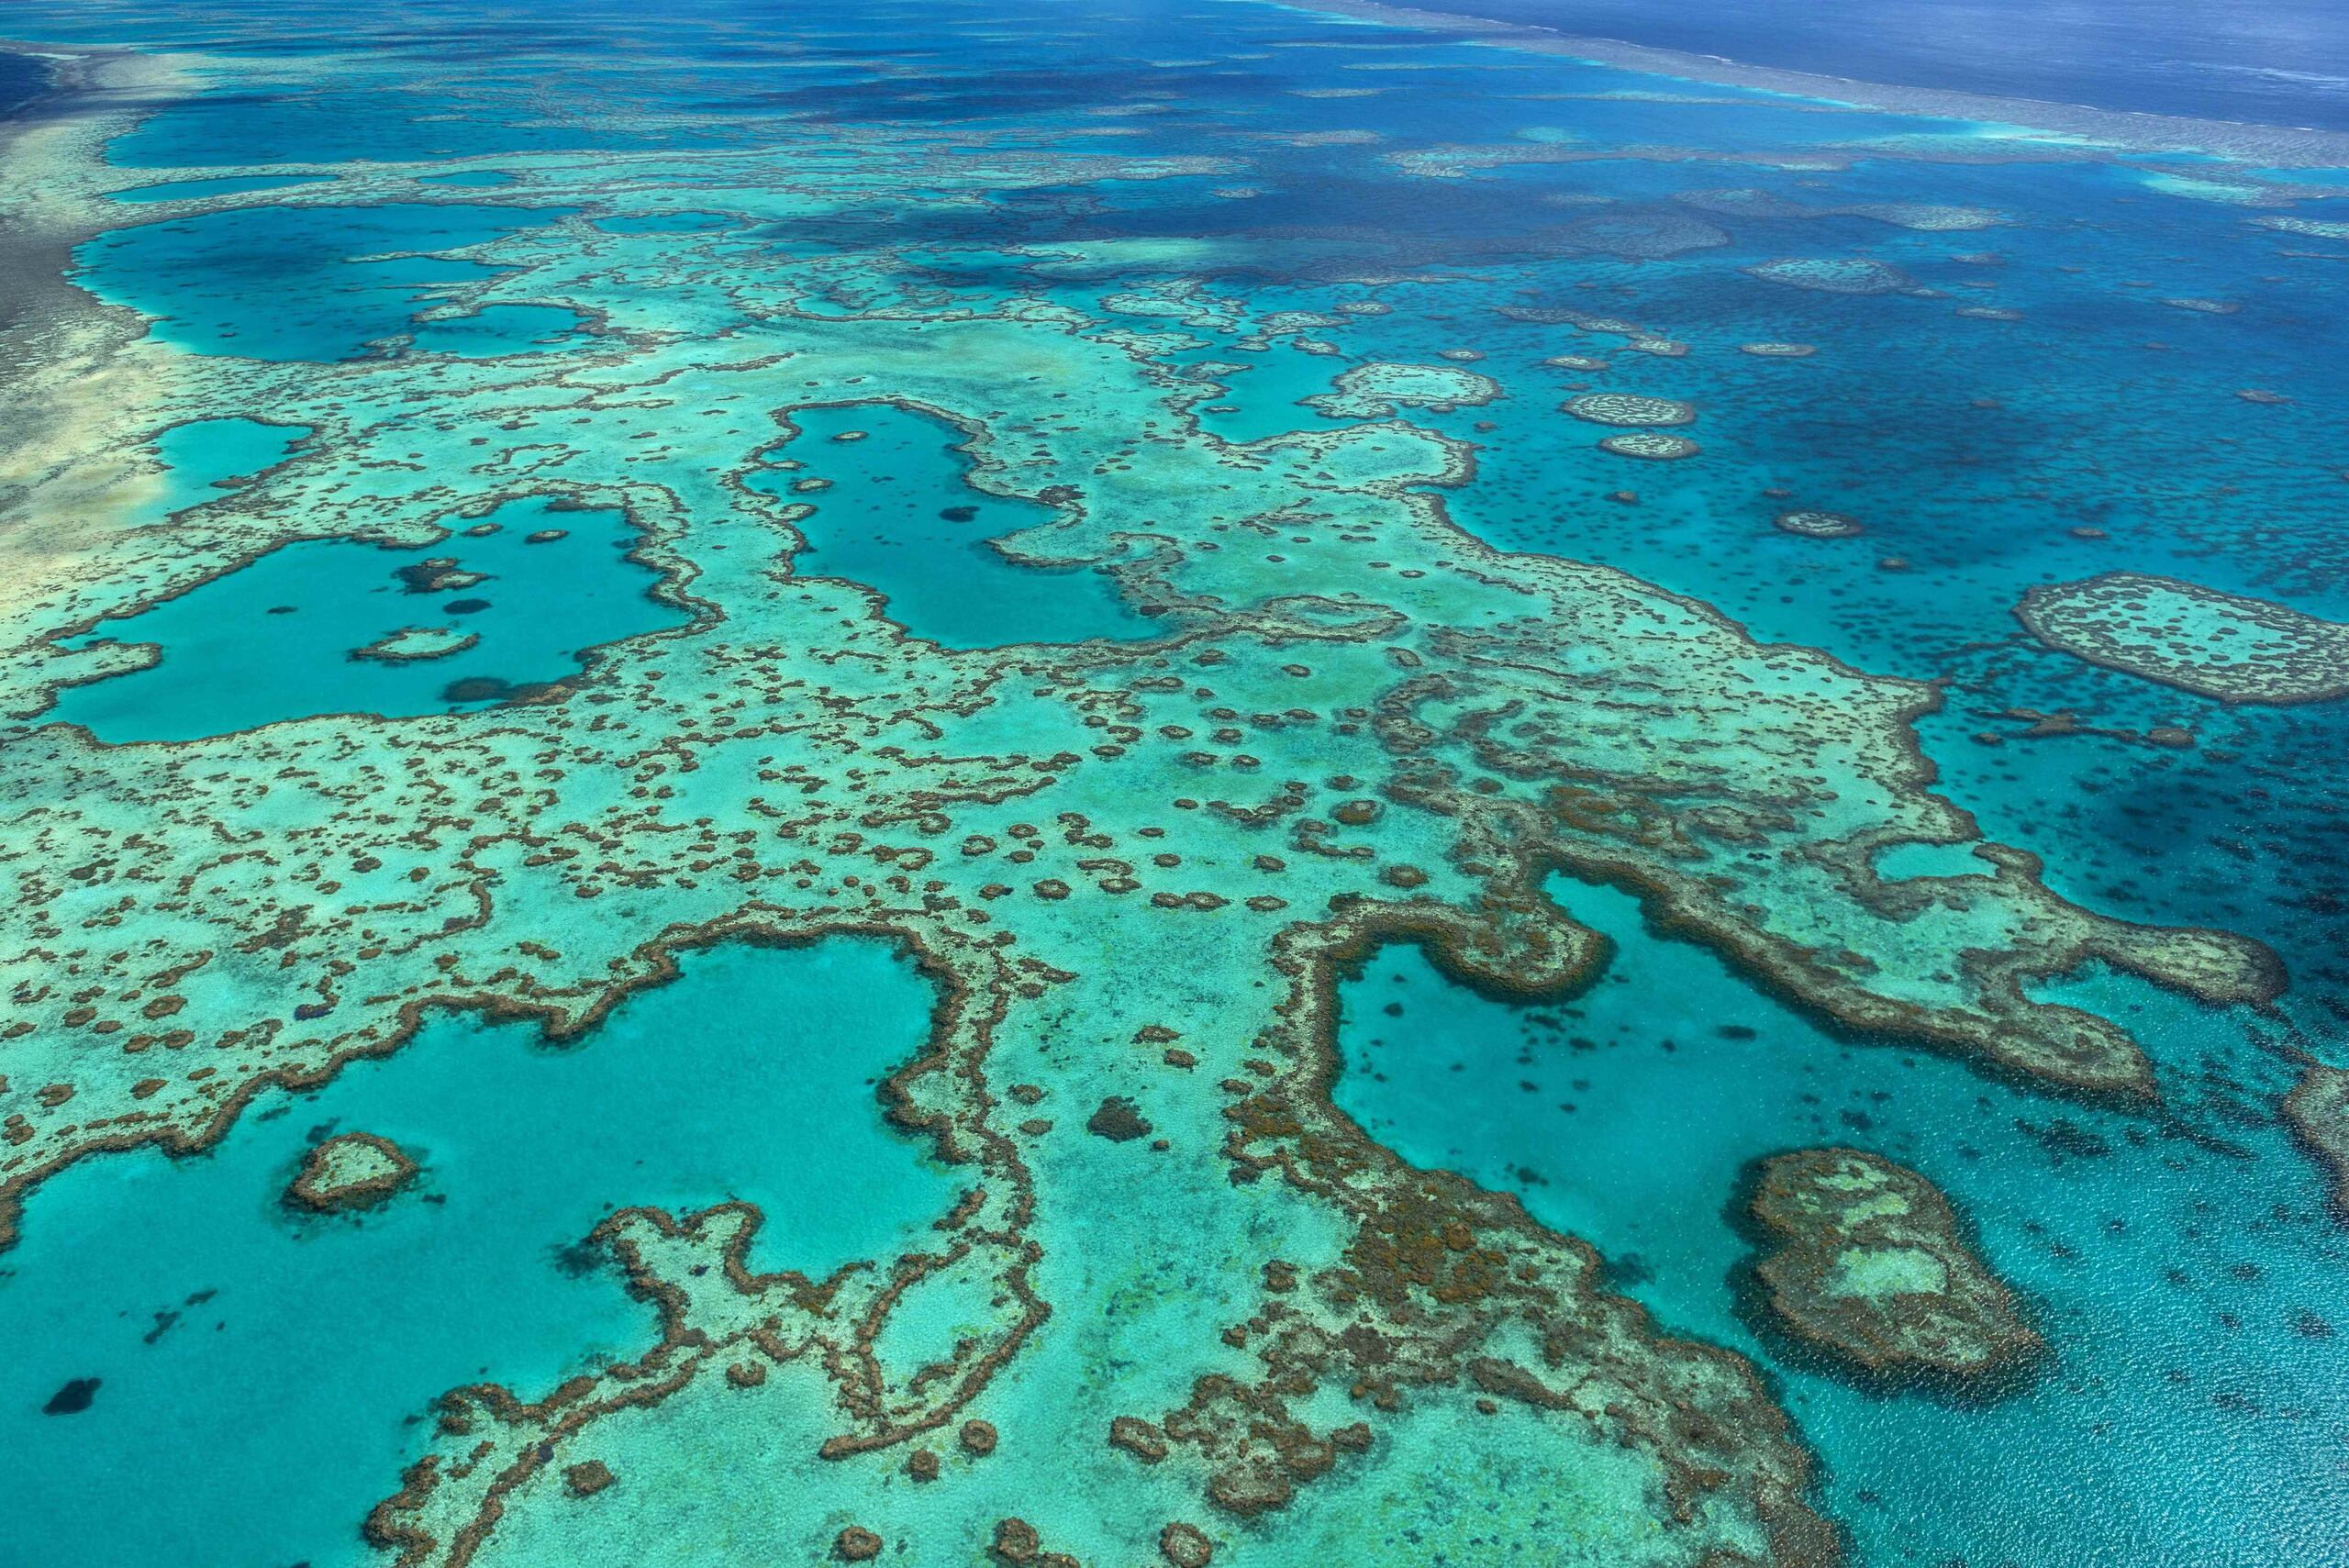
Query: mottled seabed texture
[{"x": 1115, "y": 783}]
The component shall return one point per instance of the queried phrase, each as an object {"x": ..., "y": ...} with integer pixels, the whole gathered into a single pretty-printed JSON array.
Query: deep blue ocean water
[
  {"x": 22, "y": 79},
  {"x": 2280, "y": 63}
]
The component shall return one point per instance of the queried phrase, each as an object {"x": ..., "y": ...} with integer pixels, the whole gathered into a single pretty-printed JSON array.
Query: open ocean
[{"x": 2281, "y": 64}]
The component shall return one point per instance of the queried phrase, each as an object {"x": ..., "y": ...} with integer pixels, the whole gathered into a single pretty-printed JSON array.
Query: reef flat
[
  {"x": 2318, "y": 1111},
  {"x": 2218, "y": 645},
  {"x": 353, "y": 1170},
  {"x": 985, "y": 570},
  {"x": 1866, "y": 1264}
]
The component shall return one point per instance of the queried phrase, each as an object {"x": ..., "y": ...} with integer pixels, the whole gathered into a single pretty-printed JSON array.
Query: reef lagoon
[{"x": 1195, "y": 783}]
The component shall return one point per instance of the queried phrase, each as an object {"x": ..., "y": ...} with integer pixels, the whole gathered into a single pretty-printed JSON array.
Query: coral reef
[
  {"x": 2198, "y": 639},
  {"x": 1629, "y": 408},
  {"x": 1868, "y": 1266},
  {"x": 353, "y": 1171},
  {"x": 2317, "y": 1110}
]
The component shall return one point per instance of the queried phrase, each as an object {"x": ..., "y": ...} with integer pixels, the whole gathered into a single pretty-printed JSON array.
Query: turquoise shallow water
[
  {"x": 227, "y": 186},
  {"x": 205, "y": 459},
  {"x": 283, "y": 638},
  {"x": 893, "y": 510},
  {"x": 326, "y": 283},
  {"x": 216, "y": 1320}
]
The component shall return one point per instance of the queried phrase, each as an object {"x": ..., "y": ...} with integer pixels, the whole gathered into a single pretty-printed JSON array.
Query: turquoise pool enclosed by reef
[
  {"x": 507, "y": 606},
  {"x": 208, "y": 1311}
]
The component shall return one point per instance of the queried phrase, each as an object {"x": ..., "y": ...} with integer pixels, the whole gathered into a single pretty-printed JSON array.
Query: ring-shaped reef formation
[
  {"x": 1375, "y": 390},
  {"x": 1630, "y": 408},
  {"x": 1925, "y": 218},
  {"x": 1655, "y": 445},
  {"x": 1833, "y": 274},
  {"x": 2198, "y": 640},
  {"x": 1818, "y": 525}
]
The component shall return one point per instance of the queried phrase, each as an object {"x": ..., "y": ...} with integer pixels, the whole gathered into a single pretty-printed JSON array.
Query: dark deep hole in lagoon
[{"x": 73, "y": 1398}]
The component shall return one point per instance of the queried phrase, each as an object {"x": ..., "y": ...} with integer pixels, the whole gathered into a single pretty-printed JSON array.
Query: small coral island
[
  {"x": 411, "y": 642},
  {"x": 1655, "y": 445},
  {"x": 1869, "y": 1268},
  {"x": 1818, "y": 525},
  {"x": 357, "y": 1169},
  {"x": 1630, "y": 408},
  {"x": 1376, "y": 391}
]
